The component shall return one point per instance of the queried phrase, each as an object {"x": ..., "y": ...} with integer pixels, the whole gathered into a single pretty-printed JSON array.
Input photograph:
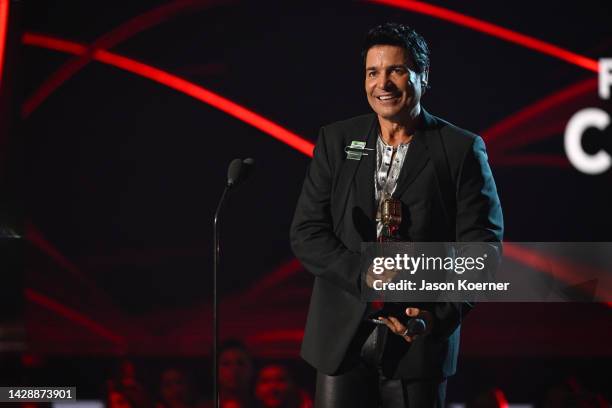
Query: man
[
  {"x": 235, "y": 375},
  {"x": 440, "y": 174}
]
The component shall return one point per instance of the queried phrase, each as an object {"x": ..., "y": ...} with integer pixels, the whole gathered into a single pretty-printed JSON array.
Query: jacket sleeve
[
  {"x": 312, "y": 237},
  {"x": 479, "y": 214},
  {"x": 478, "y": 219}
]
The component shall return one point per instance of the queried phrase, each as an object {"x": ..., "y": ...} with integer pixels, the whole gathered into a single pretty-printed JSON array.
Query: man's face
[
  {"x": 274, "y": 386},
  {"x": 118, "y": 400},
  {"x": 392, "y": 85},
  {"x": 174, "y": 386},
  {"x": 235, "y": 370}
]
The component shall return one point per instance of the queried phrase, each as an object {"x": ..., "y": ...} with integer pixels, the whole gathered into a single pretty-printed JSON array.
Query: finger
[
  {"x": 399, "y": 327},
  {"x": 391, "y": 325},
  {"x": 412, "y": 311},
  {"x": 387, "y": 323}
]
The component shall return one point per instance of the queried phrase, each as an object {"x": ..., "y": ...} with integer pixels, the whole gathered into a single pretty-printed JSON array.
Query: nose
[{"x": 384, "y": 81}]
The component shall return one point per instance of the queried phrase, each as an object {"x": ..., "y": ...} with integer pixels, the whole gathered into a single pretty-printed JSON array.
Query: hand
[
  {"x": 399, "y": 328},
  {"x": 386, "y": 276}
]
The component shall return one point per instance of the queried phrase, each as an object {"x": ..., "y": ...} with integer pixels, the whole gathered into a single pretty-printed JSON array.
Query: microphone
[
  {"x": 415, "y": 326},
  {"x": 239, "y": 170}
]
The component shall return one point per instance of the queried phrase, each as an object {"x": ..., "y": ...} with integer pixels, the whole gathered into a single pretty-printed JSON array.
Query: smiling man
[
  {"x": 440, "y": 175},
  {"x": 394, "y": 85}
]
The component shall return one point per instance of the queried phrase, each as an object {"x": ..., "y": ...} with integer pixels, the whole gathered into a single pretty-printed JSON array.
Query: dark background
[{"x": 120, "y": 176}]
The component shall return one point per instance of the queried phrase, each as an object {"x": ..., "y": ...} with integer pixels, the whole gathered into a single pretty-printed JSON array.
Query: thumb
[{"x": 412, "y": 311}]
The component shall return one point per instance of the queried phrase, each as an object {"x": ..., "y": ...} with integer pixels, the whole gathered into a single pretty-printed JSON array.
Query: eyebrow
[{"x": 389, "y": 67}]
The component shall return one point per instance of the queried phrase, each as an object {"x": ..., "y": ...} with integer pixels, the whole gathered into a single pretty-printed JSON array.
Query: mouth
[{"x": 386, "y": 98}]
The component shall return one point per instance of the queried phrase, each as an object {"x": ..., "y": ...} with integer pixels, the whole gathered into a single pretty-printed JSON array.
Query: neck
[{"x": 395, "y": 131}]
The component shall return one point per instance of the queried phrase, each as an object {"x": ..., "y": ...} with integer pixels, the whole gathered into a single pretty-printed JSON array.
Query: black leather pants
[{"x": 365, "y": 386}]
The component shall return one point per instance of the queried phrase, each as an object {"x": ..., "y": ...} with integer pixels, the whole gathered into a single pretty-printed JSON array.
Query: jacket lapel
[
  {"x": 363, "y": 170},
  {"x": 417, "y": 155}
]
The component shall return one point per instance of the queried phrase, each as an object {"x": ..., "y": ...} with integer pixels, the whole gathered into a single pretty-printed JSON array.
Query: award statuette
[{"x": 391, "y": 218}]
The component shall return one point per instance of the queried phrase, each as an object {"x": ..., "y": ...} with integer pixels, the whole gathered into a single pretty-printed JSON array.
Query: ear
[{"x": 425, "y": 78}]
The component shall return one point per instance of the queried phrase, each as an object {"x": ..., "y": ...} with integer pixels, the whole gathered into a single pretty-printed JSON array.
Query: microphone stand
[
  {"x": 217, "y": 258},
  {"x": 237, "y": 172}
]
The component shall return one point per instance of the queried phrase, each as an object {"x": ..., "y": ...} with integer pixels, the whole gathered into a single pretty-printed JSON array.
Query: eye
[{"x": 371, "y": 74}]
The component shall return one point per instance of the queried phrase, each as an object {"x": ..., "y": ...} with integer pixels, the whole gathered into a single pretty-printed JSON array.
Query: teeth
[{"x": 386, "y": 98}]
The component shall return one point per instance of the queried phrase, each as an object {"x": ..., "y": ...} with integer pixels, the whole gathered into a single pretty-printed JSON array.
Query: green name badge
[{"x": 355, "y": 151}]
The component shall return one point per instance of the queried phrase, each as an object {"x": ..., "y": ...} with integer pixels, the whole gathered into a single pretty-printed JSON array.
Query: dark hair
[
  {"x": 402, "y": 36},
  {"x": 234, "y": 344}
]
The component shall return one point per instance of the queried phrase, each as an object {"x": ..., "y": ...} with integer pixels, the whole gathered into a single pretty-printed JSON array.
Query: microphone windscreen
[
  {"x": 416, "y": 326},
  {"x": 233, "y": 172}
]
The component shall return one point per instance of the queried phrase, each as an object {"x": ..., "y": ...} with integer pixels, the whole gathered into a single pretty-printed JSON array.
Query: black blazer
[{"x": 336, "y": 212}]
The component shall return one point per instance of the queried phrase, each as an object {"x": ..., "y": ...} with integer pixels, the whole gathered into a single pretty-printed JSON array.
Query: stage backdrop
[{"x": 131, "y": 113}]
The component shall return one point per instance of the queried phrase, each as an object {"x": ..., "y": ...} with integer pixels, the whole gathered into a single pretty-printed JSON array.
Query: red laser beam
[
  {"x": 180, "y": 84},
  {"x": 506, "y": 128},
  {"x": 500, "y": 398},
  {"x": 117, "y": 35},
  {"x": 492, "y": 30},
  {"x": 271, "y": 280},
  {"x": 74, "y": 316},
  {"x": 518, "y": 129},
  {"x": 34, "y": 236},
  {"x": 561, "y": 269},
  {"x": 4, "y": 13},
  {"x": 547, "y": 160},
  {"x": 37, "y": 239},
  {"x": 525, "y": 135}
]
